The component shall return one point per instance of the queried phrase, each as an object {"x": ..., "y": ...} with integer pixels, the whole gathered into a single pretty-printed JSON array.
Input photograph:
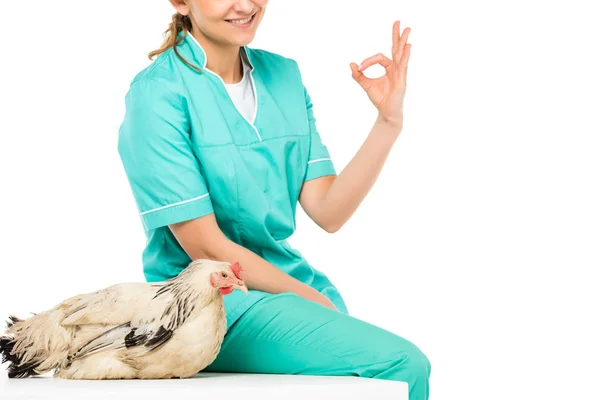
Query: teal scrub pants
[{"x": 287, "y": 334}]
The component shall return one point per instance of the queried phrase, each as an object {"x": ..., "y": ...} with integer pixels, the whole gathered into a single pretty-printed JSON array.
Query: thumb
[{"x": 356, "y": 74}]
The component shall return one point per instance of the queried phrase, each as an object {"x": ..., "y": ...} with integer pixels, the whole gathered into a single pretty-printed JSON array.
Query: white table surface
[{"x": 207, "y": 386}]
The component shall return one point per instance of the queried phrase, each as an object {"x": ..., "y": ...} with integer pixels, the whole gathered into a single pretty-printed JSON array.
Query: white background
[{"x": 480, "y": 240}]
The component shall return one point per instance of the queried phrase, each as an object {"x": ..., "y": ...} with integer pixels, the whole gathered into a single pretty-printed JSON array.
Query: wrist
[{"x": 392, "y": 126}]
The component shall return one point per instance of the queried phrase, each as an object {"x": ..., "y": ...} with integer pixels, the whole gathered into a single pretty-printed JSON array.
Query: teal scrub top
[{"x": 187, "y": 151}]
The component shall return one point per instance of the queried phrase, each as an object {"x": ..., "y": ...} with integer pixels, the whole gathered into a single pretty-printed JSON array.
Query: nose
[{"x": 244, "y": 6}]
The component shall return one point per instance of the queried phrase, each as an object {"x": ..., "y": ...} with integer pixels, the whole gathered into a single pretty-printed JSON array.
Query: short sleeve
[
  {"x": 319, "y": 160},
  {"x": 155, "y": 149}
]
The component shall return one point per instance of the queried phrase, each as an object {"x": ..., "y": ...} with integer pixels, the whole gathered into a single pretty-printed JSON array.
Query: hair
[{"x": 179, "y": 23}]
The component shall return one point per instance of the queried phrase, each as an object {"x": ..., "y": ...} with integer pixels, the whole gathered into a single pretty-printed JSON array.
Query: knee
[
  {"x": 420, "y": 363},
  {"x": 416, "y": 363},
  {"x": 410, "y": 365}
]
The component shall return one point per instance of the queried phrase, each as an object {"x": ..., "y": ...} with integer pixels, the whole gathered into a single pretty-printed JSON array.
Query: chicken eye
[{"x": 223, "y": 274}]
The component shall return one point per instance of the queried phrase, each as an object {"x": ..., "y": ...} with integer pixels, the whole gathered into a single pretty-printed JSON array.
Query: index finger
[{"x": 378, "y": 58}]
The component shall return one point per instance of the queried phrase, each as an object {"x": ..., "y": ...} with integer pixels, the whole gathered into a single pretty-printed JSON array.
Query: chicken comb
[{"x": 237, "y": 269}]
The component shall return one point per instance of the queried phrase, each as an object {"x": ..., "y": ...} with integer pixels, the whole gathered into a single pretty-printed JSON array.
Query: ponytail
[{"x": 180, "y": 23}]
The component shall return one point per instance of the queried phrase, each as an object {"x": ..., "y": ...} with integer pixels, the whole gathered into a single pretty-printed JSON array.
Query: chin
[
  {"x": 241, "y": 39},
  {"x": 237, "y": 40},
  {"x": 244, "y": 42}
]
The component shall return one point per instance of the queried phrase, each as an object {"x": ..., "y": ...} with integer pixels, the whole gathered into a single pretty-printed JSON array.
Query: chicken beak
[{"x": 241, "y": 286}]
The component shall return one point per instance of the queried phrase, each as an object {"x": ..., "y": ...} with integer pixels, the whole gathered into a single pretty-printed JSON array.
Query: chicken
[{"x": 158, "y": 330}]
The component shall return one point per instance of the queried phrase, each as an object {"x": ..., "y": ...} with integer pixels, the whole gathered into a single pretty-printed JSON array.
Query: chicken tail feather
[
  {"x": 16, "y": 367},
  {"x": 35, "y": 345}
]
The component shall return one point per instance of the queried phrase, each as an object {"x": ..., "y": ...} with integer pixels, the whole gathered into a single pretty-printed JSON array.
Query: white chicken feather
[{"x": 159, "y": 330}]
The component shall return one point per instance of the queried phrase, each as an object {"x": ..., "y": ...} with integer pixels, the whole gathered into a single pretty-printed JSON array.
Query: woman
[{"x": 219, "y": 144}]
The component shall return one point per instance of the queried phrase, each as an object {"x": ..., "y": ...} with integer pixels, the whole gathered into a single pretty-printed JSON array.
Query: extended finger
[
  {"x": 405, "y": 58},
  {"x": 376, "y": 59},
  {"x": 395, "y": 36},
  {"x": 402, "y": 69},
  {"x": 401, "y": 44}
]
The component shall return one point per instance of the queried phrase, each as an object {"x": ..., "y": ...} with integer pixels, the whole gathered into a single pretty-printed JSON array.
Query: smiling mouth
[{"x": 242, "y": 21}]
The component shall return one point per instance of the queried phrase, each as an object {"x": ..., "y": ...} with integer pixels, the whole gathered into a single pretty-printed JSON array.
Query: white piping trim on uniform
[
  {"x": 255, "y": 101},
  {"x": 318, "y": 160},
  {"x": 223, "y": 82},
  {"x": 175, "y": 204}
]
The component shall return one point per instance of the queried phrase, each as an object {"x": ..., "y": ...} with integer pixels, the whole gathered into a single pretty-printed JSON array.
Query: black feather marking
[
  {"x": 179, "y": 312},
  {"x": 184, "y": 309},
  {"x": 15, "y": 368},
  {"x": 167, "y": 310},
  {"x": 159, "y": 338},
  {"x": 83, "y": 350},
  {"x": 164, "y": 289},
  {"x": 12, "y": 320},
  {"x": 132, "y": 339}
]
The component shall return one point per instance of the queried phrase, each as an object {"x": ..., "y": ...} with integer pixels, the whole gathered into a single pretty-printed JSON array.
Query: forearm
[
  {"x": 202, "y": 238},
  {"x": 261, "y": 275},
  {"x": 353, "y": 183}
]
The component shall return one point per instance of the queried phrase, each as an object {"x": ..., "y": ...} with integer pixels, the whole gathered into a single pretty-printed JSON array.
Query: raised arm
[
  {"x": 331, "y": 201},
  {"x": 202, "y": 238}
]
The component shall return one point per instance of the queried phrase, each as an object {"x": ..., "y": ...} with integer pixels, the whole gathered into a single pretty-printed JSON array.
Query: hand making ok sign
[{"x": 387, "y": 91}]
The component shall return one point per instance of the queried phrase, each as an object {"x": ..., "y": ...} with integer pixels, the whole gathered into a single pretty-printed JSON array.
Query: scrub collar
[{"x": 191, "y": 49}]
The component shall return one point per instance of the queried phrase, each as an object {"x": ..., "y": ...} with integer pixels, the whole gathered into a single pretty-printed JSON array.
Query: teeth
[{"x": 240, "y": 21}]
